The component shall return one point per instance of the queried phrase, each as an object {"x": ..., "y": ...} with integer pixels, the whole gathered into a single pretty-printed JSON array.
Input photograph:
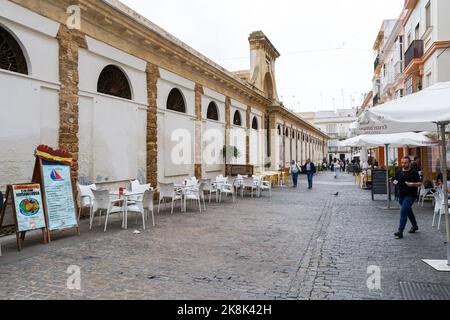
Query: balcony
[
  {"x": 376, "y": 63},
  {"x": 376, "y": 100},
  {"x": 415, "y": 51}
]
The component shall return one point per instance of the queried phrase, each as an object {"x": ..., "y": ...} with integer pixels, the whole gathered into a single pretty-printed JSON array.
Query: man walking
[
  {"x": 310, "y": 170},
  {"x": 407, "y": 180}
]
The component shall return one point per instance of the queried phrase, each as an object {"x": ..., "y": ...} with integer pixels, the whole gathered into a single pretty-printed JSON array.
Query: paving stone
[{"x": 299, "y": 244}]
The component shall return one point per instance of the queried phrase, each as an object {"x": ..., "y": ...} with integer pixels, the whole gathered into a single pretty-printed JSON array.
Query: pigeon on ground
[{"x": 336, "y": 194}]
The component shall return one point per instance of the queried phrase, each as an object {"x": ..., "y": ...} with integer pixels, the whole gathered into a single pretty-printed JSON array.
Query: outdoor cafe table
[
  {"x": 184, "y": 188},
  {"x": 127, "y": 197}
]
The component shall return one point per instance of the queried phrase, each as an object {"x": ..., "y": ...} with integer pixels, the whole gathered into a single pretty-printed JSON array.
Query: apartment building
[
  {"x": 427, "y": 43},
  {"x": 338, "y": 126}
]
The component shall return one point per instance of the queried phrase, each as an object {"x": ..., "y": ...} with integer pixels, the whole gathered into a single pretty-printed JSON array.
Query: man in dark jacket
[
  {"x": 310, "y": 170},
  {"x": 408, "y": 181}
]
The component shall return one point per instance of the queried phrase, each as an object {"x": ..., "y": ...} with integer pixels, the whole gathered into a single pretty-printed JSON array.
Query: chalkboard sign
[{"x": 379, "y": 183}]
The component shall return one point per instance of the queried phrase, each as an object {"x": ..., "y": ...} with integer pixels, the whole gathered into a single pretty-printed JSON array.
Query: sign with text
[
  {"x": 59, "y": 198},
  {"x": 29, "y": 207}
]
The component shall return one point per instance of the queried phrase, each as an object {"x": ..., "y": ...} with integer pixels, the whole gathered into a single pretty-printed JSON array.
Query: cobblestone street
[{"x": 299, "y": 244}]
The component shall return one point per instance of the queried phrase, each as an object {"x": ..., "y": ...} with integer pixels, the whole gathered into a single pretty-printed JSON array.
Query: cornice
[
  {"x": 297, "y": 120},
  {"x": 105, "y": 20}
]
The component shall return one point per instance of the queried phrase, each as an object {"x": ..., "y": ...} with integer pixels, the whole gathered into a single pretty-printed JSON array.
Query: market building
[{"x": 129, "y": 100}]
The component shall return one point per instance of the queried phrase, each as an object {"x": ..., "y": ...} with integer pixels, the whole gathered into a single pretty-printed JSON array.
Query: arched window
[
  {"x": 213, "y": 112},
  {"x": 298, "y": 136},
  {"x": 279, "y": 130},
  {"x": 287, "y": 132},
  {"x": 11, "y": 54},
  {"x": 237, "y": 120},
  {"x": 255, "y": 124},
  {"x": 112, "y": 81},
  {"x": 175, "y": 101}
]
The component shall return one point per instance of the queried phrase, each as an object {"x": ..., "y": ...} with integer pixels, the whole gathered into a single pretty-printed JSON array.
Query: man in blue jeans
[
  {"x": 407, "y": 180},
  {"x": 310, "y": 170}
]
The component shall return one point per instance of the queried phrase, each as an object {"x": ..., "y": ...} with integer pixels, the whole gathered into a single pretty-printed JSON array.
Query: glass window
[
  {"x": 12, "y": 57},
  {"x": 175, "y": 101},
  {"x": 237, "y": 120},
  {"x": 213, "y": 112},
  {"x": 112, "y": 81}
]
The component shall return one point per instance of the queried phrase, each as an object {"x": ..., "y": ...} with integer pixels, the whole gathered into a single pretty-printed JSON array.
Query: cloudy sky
[{"x": 326, "y": 45}]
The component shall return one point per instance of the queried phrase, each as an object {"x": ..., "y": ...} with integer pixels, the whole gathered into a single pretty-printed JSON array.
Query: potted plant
[
  {"x": 392, "y": 166},
  {"x": 228, "y": 153}
]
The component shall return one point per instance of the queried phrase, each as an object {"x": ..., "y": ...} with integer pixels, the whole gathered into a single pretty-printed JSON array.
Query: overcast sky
[{"x": 325, "y": 45}]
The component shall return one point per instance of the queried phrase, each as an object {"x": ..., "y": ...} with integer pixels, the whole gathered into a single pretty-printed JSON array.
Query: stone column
[
  {"x": 301, "y": 147},
  {"x": 69, "y": 42},
  {"x": 291, "y": 133},
  {"x": 152, "y": 124},
  {"x": 198, "y": 131},
  {"x": 283, "y": 156},
  {"x": 247, "y": 136},
  {"x": 227, "y": 126},
  {"x": 227, "y": 120},
  {"x": 273, "y": 138}
]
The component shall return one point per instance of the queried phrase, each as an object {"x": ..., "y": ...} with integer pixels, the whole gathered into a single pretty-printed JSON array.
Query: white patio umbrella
[
  {"x": 389, "y": 140},
  {"x": 421, "y": 111}
]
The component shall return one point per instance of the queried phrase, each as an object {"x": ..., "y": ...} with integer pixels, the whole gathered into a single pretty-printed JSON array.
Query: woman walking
[{"x": 295, "y": 171}]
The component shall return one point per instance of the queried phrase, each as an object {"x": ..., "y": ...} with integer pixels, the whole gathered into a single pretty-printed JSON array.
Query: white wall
[
  {"x": 112, "y": 133},
  {"x": 257, "y": 149},
  {"x": 29, "y": 104},
  {"x": 213, "y": 135},
  {"x": 176, "y": 131},
  {"x": 238, "y": 133}
]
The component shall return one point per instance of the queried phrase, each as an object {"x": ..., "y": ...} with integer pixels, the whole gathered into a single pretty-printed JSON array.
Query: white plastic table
[
  {"x": 184, "y": 187},
  {"x": 126, "y": 197}
]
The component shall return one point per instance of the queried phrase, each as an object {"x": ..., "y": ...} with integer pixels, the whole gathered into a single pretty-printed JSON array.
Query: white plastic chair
[
  {"x": 103, "y": 202},
  {"x": 85, "y": 198},
  {"x": 424, "y": 194},
  {"x": 139, "y": 189},
  {"x": 144, "y": 206},
  {"x": 228, "y": 189},
  {"x": 167, "y": 191},
  {"x": 197, "y": 194},
  {"x": 258, "y": 181},
  {"x": 437, "y": 206},
  {"x": 209, "y": 188},
  {"x": 266, "y": 186},
  {"x": 219, "y": 185},
  {"x": 248, "y": 183}
]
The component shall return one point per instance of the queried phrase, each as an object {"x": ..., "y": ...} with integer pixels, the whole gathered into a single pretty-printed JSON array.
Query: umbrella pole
[{"x": 445, "y": 187}]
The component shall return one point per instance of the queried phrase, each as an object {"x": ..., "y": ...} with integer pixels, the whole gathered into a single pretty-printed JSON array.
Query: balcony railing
[
  {"x": 376, "y": 63},
  {"x": 415, "y": 51},
  {"x": 376, "y": 100}
]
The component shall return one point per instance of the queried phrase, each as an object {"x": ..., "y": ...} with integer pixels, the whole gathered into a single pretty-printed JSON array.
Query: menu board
[
  {"x": 60, "y": 205},
  {"x": 379, "y": 182},
  {"x": 29, "y": 207}
]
